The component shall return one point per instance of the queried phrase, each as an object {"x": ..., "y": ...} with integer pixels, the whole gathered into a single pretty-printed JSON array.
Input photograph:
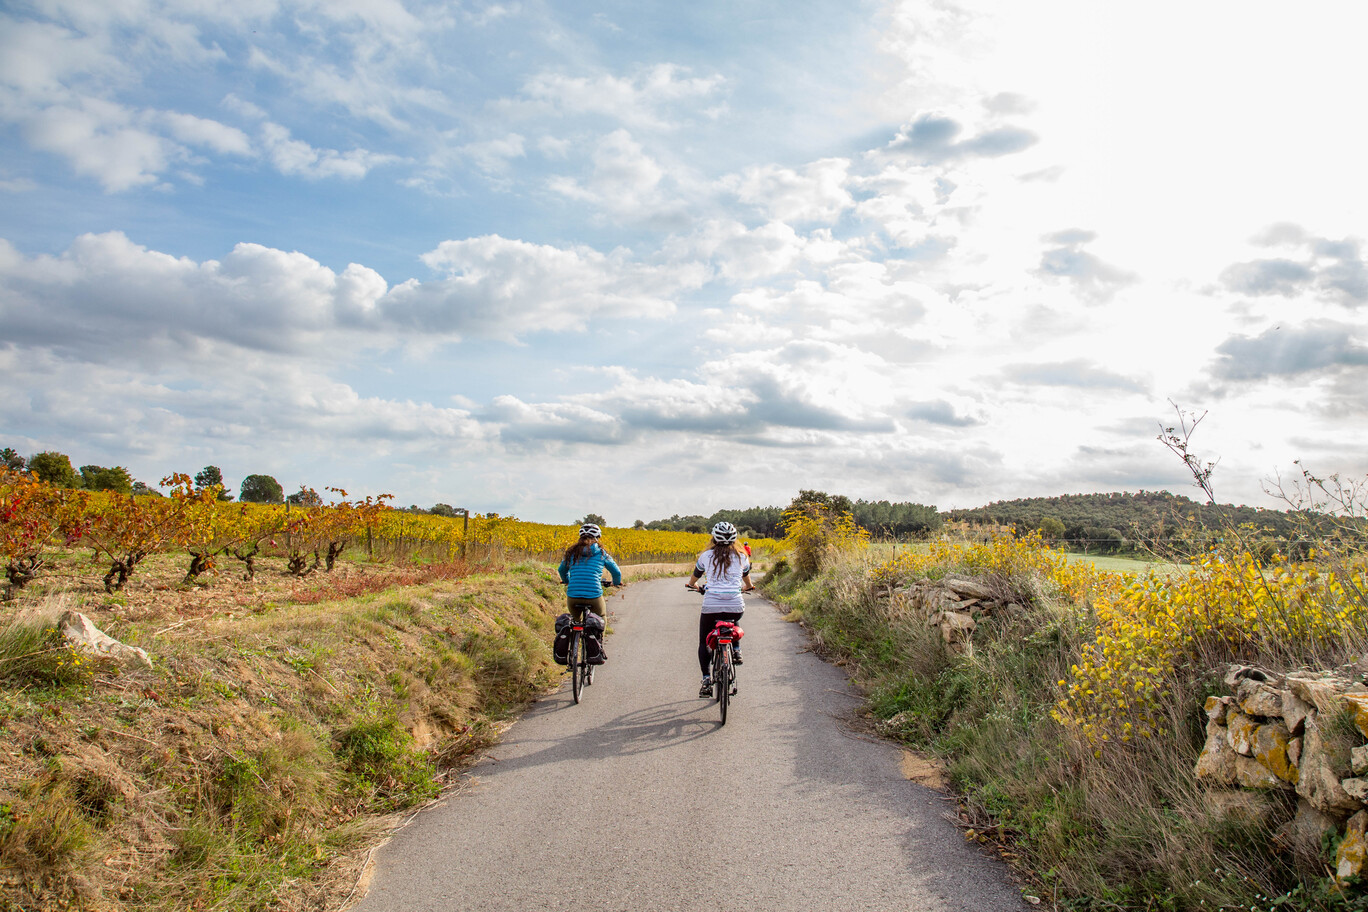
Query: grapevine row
[{"x": 123, "y": 530}]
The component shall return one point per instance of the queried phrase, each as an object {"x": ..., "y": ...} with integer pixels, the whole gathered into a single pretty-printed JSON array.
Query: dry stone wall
[
  {"x": 1292, "y": 751},
  {"x": 955, "y": 604},
  {"x": 1283, "y": 751}
]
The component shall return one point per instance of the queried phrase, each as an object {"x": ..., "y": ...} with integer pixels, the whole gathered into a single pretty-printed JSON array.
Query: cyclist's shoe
[
  {"x": 706, "y": 689},
  {"x": 736, "y": 655}
]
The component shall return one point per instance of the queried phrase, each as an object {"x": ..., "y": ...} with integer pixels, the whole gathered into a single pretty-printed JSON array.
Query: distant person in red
[{"x": 746, "y": 547}]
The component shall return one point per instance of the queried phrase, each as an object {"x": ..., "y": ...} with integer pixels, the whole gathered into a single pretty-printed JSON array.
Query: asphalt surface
[{"x": 638, "y": 800}]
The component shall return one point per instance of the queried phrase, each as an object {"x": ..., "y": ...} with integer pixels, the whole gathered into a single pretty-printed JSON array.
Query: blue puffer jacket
[{"x": 585, "y": 575}]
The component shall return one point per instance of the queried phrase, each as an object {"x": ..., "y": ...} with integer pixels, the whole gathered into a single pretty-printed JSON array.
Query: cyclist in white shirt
[{"x": 728, "y": 571}]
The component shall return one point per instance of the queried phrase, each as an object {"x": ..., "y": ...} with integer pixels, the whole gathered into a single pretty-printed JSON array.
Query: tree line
[
  {"x": 1158, "y": 521},
  {"x": 880, "y": 518},
  {"x": 56, "y": 469}
]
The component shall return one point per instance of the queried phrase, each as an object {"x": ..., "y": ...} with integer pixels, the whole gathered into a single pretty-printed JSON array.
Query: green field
[
  {"x": 880, "y": 551},
  {"x": 1128, "y": 564}
]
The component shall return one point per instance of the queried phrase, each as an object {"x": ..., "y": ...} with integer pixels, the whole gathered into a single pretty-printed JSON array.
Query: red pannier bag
[{"x": 736, "y": 633}]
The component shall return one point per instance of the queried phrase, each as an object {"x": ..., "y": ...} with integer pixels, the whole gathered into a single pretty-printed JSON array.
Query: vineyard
[{"x": 39, "y": 520}]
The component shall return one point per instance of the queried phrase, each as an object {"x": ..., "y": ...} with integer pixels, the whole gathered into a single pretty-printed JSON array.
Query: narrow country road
[{"x": 638, "y": 800}]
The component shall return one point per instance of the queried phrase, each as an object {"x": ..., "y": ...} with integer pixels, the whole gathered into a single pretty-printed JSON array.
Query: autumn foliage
[
  {"x": 123, "y": 530},
  {"x": 35, "y": 517}
]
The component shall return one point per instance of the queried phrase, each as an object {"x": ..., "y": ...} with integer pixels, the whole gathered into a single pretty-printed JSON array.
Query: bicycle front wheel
[{"x": 578, "y": 666}]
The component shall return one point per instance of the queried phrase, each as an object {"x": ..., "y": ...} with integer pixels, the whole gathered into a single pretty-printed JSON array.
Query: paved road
[{"x": 637, "y": 800}]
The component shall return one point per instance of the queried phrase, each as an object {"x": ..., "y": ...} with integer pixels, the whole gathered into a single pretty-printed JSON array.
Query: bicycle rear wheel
[
  {"x": 578, "y": 666},
  {"x": 722, "y": 679}
]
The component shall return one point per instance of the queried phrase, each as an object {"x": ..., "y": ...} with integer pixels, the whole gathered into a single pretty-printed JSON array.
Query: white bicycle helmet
[
  {"x": 591, "y": 530},
  {"x": 724, "y": 532}
]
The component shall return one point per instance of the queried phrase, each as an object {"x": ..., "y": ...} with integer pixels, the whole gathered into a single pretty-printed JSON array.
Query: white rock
[{"x": 81, "y": 631}]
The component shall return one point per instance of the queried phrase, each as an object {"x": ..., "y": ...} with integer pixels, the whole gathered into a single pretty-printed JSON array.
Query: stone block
[
  {"x": 1257, "y": 698},
  {"x": 968, "y": 588},
  {"x": 1358, "y": 705},
  {"x": 956, "y": 626},
  {"x": 1356, "y": 789},
  {"x": 1240, "y": 729},
  {"x": 1294, "y": 711},
  {"x": 1216, "y": 709},
  {"x": 1322, "y": 692},
  {"x": 1216, "y": 763},
  {"x": 1271, "y": 744},
  {"x": 1324, "y": 764},
  {"x": 1358, "y": 760},
  {"x": 1294, "y": 752},
  {"x": 1353, "y": 850},
  {"x": 1252, "y": 774}
]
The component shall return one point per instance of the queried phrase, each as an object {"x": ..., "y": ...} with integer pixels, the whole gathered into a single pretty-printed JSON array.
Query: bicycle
[
  {"x": 721, "y": 641},
  {"x": 577, "y": 655},
  {"x": 723, "y": 667}
]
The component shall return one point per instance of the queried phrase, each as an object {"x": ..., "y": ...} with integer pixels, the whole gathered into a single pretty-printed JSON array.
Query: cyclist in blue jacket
[{"x": 582, "y": 571}]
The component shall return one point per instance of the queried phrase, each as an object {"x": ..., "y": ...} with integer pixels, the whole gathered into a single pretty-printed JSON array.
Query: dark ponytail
[
  {"x": 580, "y": 549},
  {"x": 722, "y": 554}
]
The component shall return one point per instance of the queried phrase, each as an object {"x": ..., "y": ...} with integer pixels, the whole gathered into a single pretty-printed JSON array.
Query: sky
[{"x": 548, "y": 258}]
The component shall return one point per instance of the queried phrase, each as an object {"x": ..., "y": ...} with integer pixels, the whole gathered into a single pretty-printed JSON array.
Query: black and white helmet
[
  {"x": 724, "y": 532},
  {"x": 590, "y": 530}
]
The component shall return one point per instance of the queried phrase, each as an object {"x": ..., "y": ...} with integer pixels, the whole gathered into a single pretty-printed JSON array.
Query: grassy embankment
[
  {"x": 284, "y": 727},
  {"x": 1071, "y": 728}
]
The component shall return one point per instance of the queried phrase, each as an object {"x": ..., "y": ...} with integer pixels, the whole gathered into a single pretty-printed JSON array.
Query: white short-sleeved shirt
[{"x": 724, "y": 587}]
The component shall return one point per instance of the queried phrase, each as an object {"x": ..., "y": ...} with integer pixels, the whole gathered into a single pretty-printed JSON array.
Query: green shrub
[
  {"x": 382, "y": 765},
  {"x": 35, "y": 654}
]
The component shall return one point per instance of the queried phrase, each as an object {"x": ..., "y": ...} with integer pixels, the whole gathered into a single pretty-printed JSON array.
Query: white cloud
[
  {"x": 625, "y": 180},
  {"x": 101, "y": 140},
  {"x": 743, "y": 254},
  {"x": 295, "y": 157},
  {"x": 198, "y": 131},
  {"x": 106, "y": 297},
  {"x": 38, "y": 59},
  {"x": 493, "y": 155},
  {"x": 639, "y": 100},
  {"x": 508, "y": 288},
  {"x": 817, "y": 193}
]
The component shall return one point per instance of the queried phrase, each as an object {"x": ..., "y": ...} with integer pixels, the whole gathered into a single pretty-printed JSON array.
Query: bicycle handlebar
[{"x": 704, "y": 588}]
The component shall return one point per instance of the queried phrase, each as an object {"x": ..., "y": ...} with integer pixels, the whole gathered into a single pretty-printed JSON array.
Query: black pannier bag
[
  {"x": 560, "y": 649},
  {"x": 593, "y": 639}
]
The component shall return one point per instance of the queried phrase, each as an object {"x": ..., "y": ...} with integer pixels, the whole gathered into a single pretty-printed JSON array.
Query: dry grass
[{"x": 283, "y": 723}]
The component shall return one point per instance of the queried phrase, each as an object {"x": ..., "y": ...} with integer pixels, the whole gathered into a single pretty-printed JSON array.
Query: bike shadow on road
[{"x": 656, "y": 728}]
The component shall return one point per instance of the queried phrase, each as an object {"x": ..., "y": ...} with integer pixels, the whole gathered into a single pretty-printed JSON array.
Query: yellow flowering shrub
[
  {"x": 814, "y": 533},
  {"x": 1027, "y": 558},
  {"x": 1230, "y": 608}
]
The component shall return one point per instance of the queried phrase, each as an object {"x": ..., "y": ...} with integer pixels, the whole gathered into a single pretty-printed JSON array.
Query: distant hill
[
  {"x": 1156, "y": 519},
  {"x": 1159, "y": 521}
]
